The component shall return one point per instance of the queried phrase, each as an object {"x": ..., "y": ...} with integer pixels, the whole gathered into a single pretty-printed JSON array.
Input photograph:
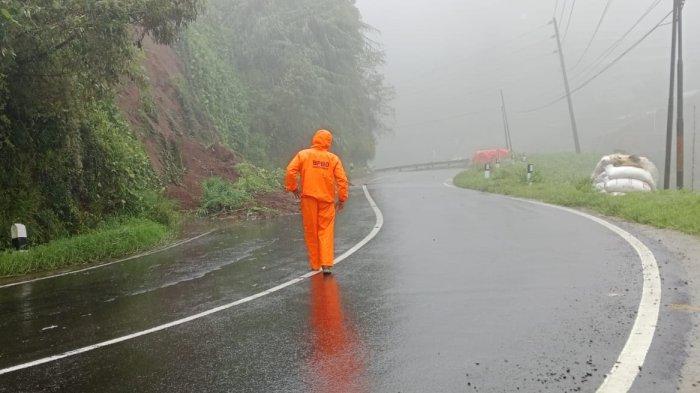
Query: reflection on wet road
[
  {"x": 460, "y": 291},
  {"x": 337, "y": 364}
]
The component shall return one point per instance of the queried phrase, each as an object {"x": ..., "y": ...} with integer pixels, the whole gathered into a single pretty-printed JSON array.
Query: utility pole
[
  {"x": 669, "y": 118},
  {"x": 574, "y": 129},
  {"x": 695, "y": 133},
  {"x": 680, "y": 126},
  {"x": 506, "y": 125}
]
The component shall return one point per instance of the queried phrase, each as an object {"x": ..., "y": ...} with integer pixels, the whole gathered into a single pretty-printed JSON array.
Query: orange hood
[{"x": 322, "y": 140}]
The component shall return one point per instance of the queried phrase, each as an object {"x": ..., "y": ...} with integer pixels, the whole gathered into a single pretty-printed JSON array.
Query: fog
[{"x": 447, "y": 60}]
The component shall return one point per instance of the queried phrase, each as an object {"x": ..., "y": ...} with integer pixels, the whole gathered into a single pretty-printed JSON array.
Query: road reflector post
[
  {"x": 19, "y": 237},
  {"x": 487, "y": 171},
  {"x": 530, "y": 171}
]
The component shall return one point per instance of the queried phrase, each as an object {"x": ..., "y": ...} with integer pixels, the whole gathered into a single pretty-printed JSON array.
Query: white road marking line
[
  {"x": 628, "y": 365},
  {"x": 144, "y": 254},
  {"x": 339, "y": 259}
]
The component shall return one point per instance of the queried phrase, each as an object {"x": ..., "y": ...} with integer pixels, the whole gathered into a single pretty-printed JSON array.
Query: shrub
[{"x": 222, "y": 196}]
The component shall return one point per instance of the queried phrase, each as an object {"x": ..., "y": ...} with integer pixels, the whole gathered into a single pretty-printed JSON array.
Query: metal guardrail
[{"x": 427, "y": 166}]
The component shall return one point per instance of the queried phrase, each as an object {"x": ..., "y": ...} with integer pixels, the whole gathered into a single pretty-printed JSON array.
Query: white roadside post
[
  {"x": 19, "y": 237},
  {"x": 530, "y": 171},
  {"x": 487, "y": 171}
]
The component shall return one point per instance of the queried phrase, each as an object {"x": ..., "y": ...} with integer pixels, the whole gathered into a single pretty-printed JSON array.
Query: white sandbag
[
  {"x": 602, "y": 178},
  {"x": 600, "y": 186},
  {"x": 626, "y": 185},
  {"x": 630, "y": 172},
  {"x": 649, "y": 166},
  {"x": 619, "y": 159},
  {"x": 602, "y": 164}
]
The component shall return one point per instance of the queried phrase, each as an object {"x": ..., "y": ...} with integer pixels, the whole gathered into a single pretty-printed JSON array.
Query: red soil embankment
[{"x": 183, "y": 151}]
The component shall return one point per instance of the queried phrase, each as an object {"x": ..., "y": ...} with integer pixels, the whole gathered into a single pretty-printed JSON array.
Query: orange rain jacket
[{"x": 320, "y": 171}]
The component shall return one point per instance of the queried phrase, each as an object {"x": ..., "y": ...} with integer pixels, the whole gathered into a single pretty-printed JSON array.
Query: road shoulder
[{"x": 680, "y": 271}]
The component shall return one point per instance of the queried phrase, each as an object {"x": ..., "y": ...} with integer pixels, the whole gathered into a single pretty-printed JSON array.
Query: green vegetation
[
  {"x": 221, "y": 196},
  {"x": 109, "y": 240},
  {"x": 564, "y": 179},
  {"x": 263, "y": 74},
  {"x": 69, "y": 159},
  {"x": 270, "y": 72}
]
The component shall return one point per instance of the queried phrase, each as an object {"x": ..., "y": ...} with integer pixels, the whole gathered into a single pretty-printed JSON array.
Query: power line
[
  {"x": 607, "y": 52},
  {"x": 595, "y": 32},
  {"x": 561, "y": 15},
  {"x": 568, "y": 23},
  {"x": 610, "y": 65}
]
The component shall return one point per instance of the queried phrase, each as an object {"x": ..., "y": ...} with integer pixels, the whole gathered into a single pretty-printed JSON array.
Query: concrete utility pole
[
  {"x": 695, "y": 134},
  {"x": 506, "y": 124},
  {"x": 574, "y": 129},
  {"x": 669, "y": 118},
  {"x": 680, "y": 126}
]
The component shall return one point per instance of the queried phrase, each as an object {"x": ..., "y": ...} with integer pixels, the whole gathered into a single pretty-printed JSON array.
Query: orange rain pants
[
  {"x": 323, "y": 180},
  {"x": 319, "y": 223}
]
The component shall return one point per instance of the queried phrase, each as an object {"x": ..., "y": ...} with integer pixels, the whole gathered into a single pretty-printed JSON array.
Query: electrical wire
[
  {"x": 610, "y": 65},
  {"x": 568, "y": 23},
  {"x": 607, "y": 52},
  {"x": 595, "y": 33},
  {"x": 561, "y": 15}
]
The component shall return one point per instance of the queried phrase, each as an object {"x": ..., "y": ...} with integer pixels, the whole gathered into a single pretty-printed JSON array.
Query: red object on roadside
[{"x": 490, "y": 156}]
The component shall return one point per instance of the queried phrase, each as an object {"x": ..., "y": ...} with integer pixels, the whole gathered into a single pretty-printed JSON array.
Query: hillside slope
[
  {"x": 100, "y": 122},
  {"x": 183, "y": 146}
]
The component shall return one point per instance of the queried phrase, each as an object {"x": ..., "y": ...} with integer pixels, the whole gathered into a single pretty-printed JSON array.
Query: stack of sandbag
[{"x": 619, "y": 174}]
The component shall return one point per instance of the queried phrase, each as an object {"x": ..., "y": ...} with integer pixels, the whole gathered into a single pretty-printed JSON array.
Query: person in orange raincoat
[{"x": 324, "y": 186}]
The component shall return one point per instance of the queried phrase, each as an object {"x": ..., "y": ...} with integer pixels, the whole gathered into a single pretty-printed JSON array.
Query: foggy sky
[{"x": 447, "y": 59}]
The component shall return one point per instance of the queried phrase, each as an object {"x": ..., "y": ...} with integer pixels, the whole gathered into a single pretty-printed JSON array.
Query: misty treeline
[
  {"x": 271, "y": 72},
  {"x": 266, "y": 73}
]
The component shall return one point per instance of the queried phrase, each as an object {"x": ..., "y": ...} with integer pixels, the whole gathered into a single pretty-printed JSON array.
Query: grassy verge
[
  {"x": 223, "y": 197},
  {"x": 563, "y": 179},
  {"x": 112, "y": 239}
]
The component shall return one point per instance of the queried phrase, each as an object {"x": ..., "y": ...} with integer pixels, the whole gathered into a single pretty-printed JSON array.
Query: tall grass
[
  {"x": 112, "y": 239},
  {"x": 564, "y": 179},
  {"x": 222, "y": 196}
]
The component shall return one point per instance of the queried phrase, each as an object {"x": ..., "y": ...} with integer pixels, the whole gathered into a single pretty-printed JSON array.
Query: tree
[
  {"x": 305, "y": 64},
  {"x": 67, "y": 157}
]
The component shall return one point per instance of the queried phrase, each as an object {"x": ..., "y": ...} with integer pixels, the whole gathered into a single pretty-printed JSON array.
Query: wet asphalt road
[{"x": 459, "y": 292}]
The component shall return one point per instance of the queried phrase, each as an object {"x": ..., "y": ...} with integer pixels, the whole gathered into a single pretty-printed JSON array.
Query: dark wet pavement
[{"x": 460, "y": 291}]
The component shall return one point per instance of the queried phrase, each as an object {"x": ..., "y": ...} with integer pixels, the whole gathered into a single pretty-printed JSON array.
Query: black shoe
[{"x": 327, "y": 269}]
